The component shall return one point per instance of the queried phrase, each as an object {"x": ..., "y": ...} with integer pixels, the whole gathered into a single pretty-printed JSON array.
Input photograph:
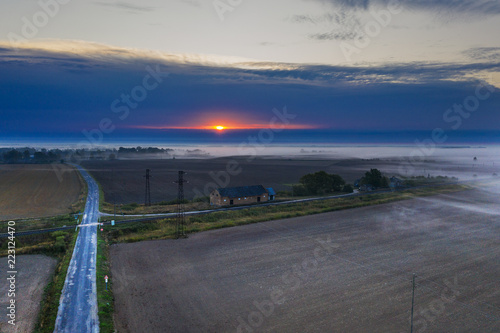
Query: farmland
[
  {"x": 32, "y": 191},
  {"x": 345, "y": 271},
  {"x": 34, "y": 273},
  {"x": 123, "y": 180}
]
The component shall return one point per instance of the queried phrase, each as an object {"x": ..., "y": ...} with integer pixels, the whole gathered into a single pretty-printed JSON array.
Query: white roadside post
[{"x": 106, "y": 279}]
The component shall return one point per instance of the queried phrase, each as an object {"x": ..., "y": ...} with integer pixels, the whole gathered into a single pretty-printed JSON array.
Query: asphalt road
[{"x": 78, "y": 303}]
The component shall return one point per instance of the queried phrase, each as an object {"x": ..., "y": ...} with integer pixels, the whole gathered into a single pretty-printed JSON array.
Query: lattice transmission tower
[
  {"x": 147, "y": 198},
  {"x": 180, "y": 231}
]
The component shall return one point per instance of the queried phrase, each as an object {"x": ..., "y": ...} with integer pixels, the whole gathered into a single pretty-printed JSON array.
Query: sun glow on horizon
[{"x": 236, "y": 126}]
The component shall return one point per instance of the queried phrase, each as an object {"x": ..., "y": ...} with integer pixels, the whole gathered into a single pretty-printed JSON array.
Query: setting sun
[{"x": 219, "y": 128}]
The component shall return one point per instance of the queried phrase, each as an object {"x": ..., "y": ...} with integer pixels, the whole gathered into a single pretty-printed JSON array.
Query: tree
[
  {"x": 12, "y": 156},
  {"x": 375, "y": 178},
  {"x": 321, "y": 183},
  {"x": 40, "y": 157}
]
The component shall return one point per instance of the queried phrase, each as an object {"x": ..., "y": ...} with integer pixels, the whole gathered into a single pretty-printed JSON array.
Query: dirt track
[
  {"x": 34, "y": 272},
  {"x": 37, "y": 190},
  {"x": 347, "y": 271}
]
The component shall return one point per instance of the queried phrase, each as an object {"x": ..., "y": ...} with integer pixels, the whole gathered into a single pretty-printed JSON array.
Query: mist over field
[{"x": 249, "y": 166}]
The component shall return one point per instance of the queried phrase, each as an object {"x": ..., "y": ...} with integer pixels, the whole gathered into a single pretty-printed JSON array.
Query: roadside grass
[
  {"x": 79, "y": 206},
  {"x": 102, "y": 199},
  {"x": 52, "y": 292},
  {"x": 43, "y": 223},
  {"x": 165, "y": 228},
  {"x": 105, "y": 299},
  {"x": 157, "y": 208}
]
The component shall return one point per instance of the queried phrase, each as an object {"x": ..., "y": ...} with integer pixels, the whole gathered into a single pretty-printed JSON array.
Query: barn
[{"x": 242, "y": 195}]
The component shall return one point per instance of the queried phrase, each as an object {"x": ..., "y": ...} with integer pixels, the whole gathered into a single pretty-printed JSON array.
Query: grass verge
[
  {"x": 105, "y": 299},
  {"x": 165, "y": 228},
  {"x": 52, "y": 293}
]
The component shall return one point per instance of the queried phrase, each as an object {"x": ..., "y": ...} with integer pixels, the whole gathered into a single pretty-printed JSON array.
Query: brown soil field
[
  {"x": 346, "y": 271},
  {"x": 126, "y": 184},
  {"x": 33, "y": 274},
  {"x": 30, "y": 191}
]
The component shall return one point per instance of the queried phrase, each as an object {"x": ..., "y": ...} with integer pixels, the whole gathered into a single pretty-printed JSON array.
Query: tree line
[
  {"x": 32, "y": 155},
  {"x": 323, "y": 183}
]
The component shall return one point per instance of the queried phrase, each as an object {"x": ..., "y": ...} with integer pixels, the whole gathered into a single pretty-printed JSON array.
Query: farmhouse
[
  {"x": 395, "y": 182},
  {"x": 243, "y": 195}
]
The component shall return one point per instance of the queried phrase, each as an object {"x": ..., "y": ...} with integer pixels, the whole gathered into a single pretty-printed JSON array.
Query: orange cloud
[
  {"x": 226, "y": 120},
  {"x": 225, "y": 126}
]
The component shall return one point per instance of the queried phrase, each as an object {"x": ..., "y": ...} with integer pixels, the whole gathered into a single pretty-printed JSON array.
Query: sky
[{"x": 292, "y": 70}]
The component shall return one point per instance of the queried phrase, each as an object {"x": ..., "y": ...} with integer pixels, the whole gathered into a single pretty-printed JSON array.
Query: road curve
[{"x": 78, "y": 304}]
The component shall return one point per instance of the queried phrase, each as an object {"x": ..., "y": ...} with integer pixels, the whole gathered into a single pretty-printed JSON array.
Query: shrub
[
  {"x": 60, "y": 244},
  {"x": 58, "y": 234},
  {"x": 348, "y": 188}
]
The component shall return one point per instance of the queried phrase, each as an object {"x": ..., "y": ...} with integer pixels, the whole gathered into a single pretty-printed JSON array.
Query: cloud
[
  {"x": 125, "y": 6},
  {"x": 60, "y": 88},
  {"x": 482, "y": 7},
  {"x": 194, "y": 3},
  {"x": 483, "y": 53},
  {"x": 87, "y": 57},
  {"x": 339, "y": 35},
  {"x": 341, "y": 25}
]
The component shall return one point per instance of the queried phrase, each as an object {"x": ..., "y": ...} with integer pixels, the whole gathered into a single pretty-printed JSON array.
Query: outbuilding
[{"x": 242, "y": 195}]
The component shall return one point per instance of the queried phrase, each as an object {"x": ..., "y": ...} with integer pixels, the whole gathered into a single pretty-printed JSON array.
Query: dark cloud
[
  {"x": 58, "y": 92},
  {"x": 484, "y": 53},
  {"x": 341, "y": 25},
  {"x": 484, "y": 7},
  {"x": 340, "y": 35}
]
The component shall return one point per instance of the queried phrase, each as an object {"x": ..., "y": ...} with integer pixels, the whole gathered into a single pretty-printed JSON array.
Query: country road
[
  {"x": 78, "y": 304},
  {"x": 151, "y": 217}
]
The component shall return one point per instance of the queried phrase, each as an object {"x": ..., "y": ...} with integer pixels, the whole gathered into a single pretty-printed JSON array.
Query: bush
[
  {"x": 410, "y": 183},
  {"x": 348, "y": 188},
  {"x": 60, "y": 244},
  {"x": 299, "y": 190},
  {"x": 58, "y": 234}
]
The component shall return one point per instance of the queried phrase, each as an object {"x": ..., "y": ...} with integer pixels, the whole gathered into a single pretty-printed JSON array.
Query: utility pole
[
  {"x": 147, "y": 199},
  {"x": 114, "y": 195},
  {"x": 179, "y": 228},
  {"x": 412, "y": 302}
]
